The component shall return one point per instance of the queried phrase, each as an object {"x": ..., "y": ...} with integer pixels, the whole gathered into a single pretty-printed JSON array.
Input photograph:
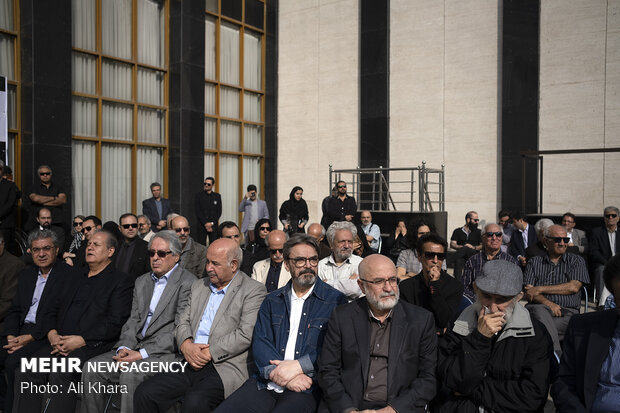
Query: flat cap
[{"x": 500, "y": 277}]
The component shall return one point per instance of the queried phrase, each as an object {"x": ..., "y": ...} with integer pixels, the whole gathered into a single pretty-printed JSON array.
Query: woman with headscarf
[
  {"x": 73, "y": 243},
  {"x": 294, "y": 212}
]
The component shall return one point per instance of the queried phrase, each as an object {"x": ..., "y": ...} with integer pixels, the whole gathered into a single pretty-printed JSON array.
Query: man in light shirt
[
  {"x": 148, "y": 334},
  {"x": 372, "y": 231},
  {"x": 288, "y": 337}
]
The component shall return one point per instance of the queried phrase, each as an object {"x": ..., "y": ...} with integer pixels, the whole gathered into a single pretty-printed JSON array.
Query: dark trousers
[
  {"x": 61, "y": 401},
  {"x": 248, "y": 398},
  {"x": 460, "y": 258},
  {"x": 201, "y": 391}
]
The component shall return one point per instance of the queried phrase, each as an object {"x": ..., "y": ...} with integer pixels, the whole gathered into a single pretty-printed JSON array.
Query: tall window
[
  {"x": 234, "y": 97},
  {"x": 119, "y": 104},
  {"x": 9, "y": 64}
]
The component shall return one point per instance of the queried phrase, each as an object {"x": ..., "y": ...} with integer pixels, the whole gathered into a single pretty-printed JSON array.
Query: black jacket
[
  {"x": 443, "y": 301},
  {"x": 600, "y": 250},
  {"x": 517, "y": 247},
  {"x": 8, "y": 197}
]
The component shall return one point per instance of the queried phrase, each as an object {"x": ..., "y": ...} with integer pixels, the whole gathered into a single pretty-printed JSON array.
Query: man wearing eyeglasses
[
  {"x": 578, "y": 243},
  {"x": 131, "y": 256},
  {"x": 23, "y": 333},
  {"x": 288, "y": 337},
  {"x": 46, "y": 194},
  {"x": 208, "y": 209},
  {"x": 553, "y": 284},
  {"x": 604, "y": 244},
  {"x": 148, "y": 334},
  {"x": 496, "y": 358},
  {"x": 341, "y": 207},
  {"x": 270, "y": 271},
  {"x": 156, "y": 208},
  {"x": 466, "y": 240},
  {"x": 379, "y": 353},
  {"x": 433, "y": 288},
  {"x": 491, "y": 250},
  {"x": 193, "y": 254}
]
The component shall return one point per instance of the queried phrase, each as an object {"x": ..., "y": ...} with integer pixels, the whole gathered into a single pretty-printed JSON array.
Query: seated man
[
  {"x": 340, "y": 269},
  {"x": 578, "y": 243},
  {"x": 491, "y": 250},
  {"x": 230, "y": 230},
  {"x": 587, "y": 380},
  {"x": 148, "y": 334},
  {"x": 214, "y": 333},
  {"x": 603, "y": 245},
  {"x": 23, "y": 333},
  {"x": 379, "y": 352},
  {"x": 317, "y": 231},
  {"x": 270, "y": 271},
  {"x": 496, "y": 358},
  {"x": 371, "y": 231},
  {"x": 193, "y": 253},
  {"x": 84, "y": 321},
  {"x": 466, "y": 241},
  {"x": 284, "y": 349},
  {"x": 433, "y": 288},
  {"x": 553, "y": 284},
  {"x": 522, "y": 237},
  {"x": 504, "y": 220}
]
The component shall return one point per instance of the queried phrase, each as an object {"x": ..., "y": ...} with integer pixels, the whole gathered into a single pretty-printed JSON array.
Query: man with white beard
[
  {"x": 379, "y": 336},
  {"x": 496, "y": 357}
]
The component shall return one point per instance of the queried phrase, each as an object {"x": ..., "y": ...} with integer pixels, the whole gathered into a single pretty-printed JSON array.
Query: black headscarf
[{"x": 293, "y": 210}]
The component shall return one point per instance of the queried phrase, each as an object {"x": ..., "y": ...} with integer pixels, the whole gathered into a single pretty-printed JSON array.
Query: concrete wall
[
  {"x": 318, "y": 106},
  {"x": 444, "y": 105},
  {"x": 580, "y": 103}
]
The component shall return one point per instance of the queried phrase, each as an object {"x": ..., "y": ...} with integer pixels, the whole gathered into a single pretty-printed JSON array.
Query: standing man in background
[
  {"x": 156, "y": 208},
  {"x": 208, "y": 208},
  {"x": 253, "y": 209}
]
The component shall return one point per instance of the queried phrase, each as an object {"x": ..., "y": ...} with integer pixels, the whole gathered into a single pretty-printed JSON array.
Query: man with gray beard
[
  {"x": 496, "y": 358},
  {"x": 391, "y": 342}
]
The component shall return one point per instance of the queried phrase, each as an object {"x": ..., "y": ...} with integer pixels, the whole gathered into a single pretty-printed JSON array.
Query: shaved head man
[{"x": 270, "y": 270}]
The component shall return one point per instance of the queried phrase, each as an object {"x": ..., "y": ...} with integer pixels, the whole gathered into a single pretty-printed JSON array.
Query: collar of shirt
[
  {"x": 214, "y": 289},
  {"x": 331, "y": 261},
  {"x": 611, "y": 232},
  {"x": 547, "y": 259},
  {"x": 302, "y": 298},
  {"x": 41, "y": 277},
  {"x": 166, "y": 276},
  {"x": 371, "y": 316},
  {"x": 524, "y": 231},
  {"x": 276, "y": 265}
]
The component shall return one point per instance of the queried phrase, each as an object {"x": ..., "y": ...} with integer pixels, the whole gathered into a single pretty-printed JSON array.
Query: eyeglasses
[
  {"x": 86, "y": 229},
  {"x": 611, "y": 215},
  {"x": 475, "y": 220},
  {"x": 127, "y": 226},
  {"x": 265, "y": 228},
  {"x": 566, "y": 221},
  {"x": 45, "y": 173},
  {"x": 160, "y": 254},
  {"x": 208, "y": 184},
  {"x": 558, "y": 240},
  {"x": 342, "y": 186},
  {"x": 77, "y": 224},
  {"x": 232, "y": 236},
  {"x": 184, "y": 229},
  {"x": 36, "y": 250},
  {"x": 491, "y": 234},
  {"x": 276, "y": 250},
  {"x": 301, "y": 261},
  {"x": 429, "y": 255},
  {"x": 394, "y": 281}
]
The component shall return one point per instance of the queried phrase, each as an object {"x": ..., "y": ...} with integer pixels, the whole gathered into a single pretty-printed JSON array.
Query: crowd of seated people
[{"x": 288, "y": 321}]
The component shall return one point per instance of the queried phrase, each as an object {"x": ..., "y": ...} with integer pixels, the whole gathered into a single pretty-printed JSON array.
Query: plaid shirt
[{"x": 473, "y": 267}]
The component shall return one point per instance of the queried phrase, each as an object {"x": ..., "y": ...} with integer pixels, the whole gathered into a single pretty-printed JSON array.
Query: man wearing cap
[{"x": 496, "y": 357}]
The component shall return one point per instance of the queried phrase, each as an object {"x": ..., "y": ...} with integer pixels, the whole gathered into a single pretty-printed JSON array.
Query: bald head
[
  {"x": 275, "y": 242},
  {"x": 224, "y": 258},
  {"x": 181, "y": 226},
  {"x": 316, "y": 231},
  {"x": 376, "y": 264}
]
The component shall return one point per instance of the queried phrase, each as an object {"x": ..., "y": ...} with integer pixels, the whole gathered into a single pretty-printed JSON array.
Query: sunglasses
[
  {"x": 160, "y": 254},
  {"x": 429, "y": 255},
  {"x": 208, "y": 184},
  {"x": 127, "y": 226},
  {"x": 475, "y": 220},
  {"x": 77, "y": 224},
  {"x": 265, "y": 228},
  {"x": 491, "y": 234},
  {"x": 45, "y": 173},
  {"x": 611, "y": 215},
  {"x": 559, "y": 240},
  {"x": 342, "y": 186},
  {"x": 86, "y": 229},
  {"x": 184, "y": 229},
  {"x": 276, "y": 250}
]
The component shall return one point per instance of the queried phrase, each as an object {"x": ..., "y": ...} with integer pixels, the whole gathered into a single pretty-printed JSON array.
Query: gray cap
[{"x": 500, "y": 277}]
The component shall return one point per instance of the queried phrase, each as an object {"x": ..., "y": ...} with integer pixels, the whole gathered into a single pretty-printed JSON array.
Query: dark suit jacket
[
  {"x": 412, "y": 359},
  {"x": 8, "y": 197},
  {"x": 516, "y": 241},
  {"x": 600, "y": 250},
  {"x": 139, "y": 259},
  {"x": 586, "y": 345},
  {"x": 149, "y": 209},
  {"x": 103, "y": 316},
  {"x": 23, "y": 298}
]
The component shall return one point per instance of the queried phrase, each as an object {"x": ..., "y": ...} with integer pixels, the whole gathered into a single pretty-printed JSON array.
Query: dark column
[
  {"x": 520, "y": 93},
  {"x": 186, "y": 104},
  {"x": 271, "y": 106},
  {"x": 374, "y": 87},
  {"x": 46, "y": 92}
]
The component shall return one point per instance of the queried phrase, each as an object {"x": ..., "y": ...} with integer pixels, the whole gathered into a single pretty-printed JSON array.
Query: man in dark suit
[
  {"x": 23, "y": 329},
  {"x": 148, "y": 334},
  {"x": 590, "y": 356},
  {"x": 156, "y": 208},
  {"x": 132, "y": 254},
  {"x": 603, "y": 245},
  {"x": 84, "y": 321},
  {"x": 208, "y": 209},
  {"x": 8, "y": 199},
  {"x": 391, "y": 343},
  {"x": 44, "y": 221},
  {"x": 522, "y": 237}
]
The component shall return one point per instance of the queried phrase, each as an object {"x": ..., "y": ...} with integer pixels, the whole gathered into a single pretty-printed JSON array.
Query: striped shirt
[
  {"x": 542, "y": 271},
  {"x": 473, "y": 268}
]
